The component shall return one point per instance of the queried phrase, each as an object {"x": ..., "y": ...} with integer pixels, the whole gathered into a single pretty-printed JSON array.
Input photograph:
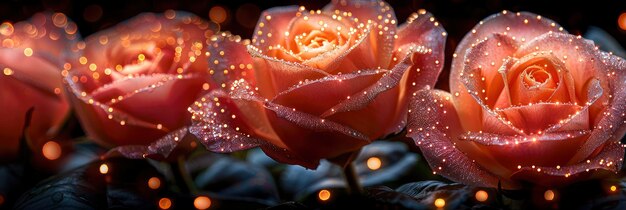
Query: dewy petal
[
  {"x": 274, "y": 75},
  {"x": 292, "y": 131},
  {"x": 159, "y": 149},
  {"x": 521, "y": 25},
  {"x": 229, "y": 60},
  {"x": 476, "y": 88},
  {"x": 390, "y": 80},
  {"x": 270, "y": 30},
  {"x": 382, "y": 19},
  {"x": 433, "y": 124},
  {"x": 483, "y": 62},
  {"x": 611, "y": 123},
  {"x": 337, "y": 88},
  {"x": 516, "y": 92},
  {"x": 548, "y": 149},
  {"x": 535, "y": 118},
  {"x": 609, "y": 160}
]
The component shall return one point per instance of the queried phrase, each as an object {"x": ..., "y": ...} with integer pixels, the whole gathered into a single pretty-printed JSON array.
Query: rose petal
[
  {"x": 49, "y": 111},
  {"x": 517, "y": 92},
  {"x": 475, "y": 91},
  {"x": 383, "y": 22},
  {"x": 389, "y": 80},
  {"x": 548, "y": 149},
  {"x": 609, "y": 160},
  {"x": 229, "y": 60},
  {"x": 337, "y": 87},
  {"x": 483, "y": 62},
  {"x": 433, "y": 123},
  {"x": 98, "y": 123},
  {"x": 271, "y": 27},
  {"x": 583, "y": 60},
  {"x": 159, "y": 149},
  {"x": 611, "y": 123},
  {"x": 506, "y": 23},
  {"x": 156, "y": 36},
  {"x": 292, "y": 131},
  {"x": 534, "y": 118},
  {"x": 274, "y": 75}
]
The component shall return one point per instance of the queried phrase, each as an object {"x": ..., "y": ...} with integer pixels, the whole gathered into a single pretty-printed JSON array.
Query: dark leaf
[
  {"x": 226, "y": 176},
  {"x": 391, "y": 163}
]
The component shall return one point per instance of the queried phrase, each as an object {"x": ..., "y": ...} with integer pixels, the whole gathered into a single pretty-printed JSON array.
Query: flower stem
[
  {"x": 352, "y": 180},
  {"x": 181, "y": 176}
]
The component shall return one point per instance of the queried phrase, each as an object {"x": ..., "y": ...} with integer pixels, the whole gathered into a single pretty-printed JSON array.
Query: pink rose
[
  {"x": 528, "y": 103},
  {"x": 134, "y": 82},
  {"x": 318, "y": 84},
  {"x": 33, "y": 53}
]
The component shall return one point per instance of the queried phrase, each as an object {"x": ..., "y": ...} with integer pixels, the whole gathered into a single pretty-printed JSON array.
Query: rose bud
[
  {"x": 317, "y": 84},
  {"x": 34, "y": 53},
  {"x": 529, "y": 103},
  {"x": 134, "y": 82}
]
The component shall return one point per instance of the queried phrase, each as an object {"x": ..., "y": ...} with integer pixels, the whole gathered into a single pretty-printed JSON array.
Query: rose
[
  {"x": 33, "y": 54},
  {"x": 528, "y": 103},
  {"x": 134, "y": 82},
  {"x": 317, "y": 84}
]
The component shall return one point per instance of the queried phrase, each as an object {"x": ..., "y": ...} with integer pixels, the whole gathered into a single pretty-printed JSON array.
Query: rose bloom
[
  {"x": 317, "y": 84},
  {"x": 529, "y": 103},
  {"x": 134, "y": 82},
  {"x": 32, "y": 55}
]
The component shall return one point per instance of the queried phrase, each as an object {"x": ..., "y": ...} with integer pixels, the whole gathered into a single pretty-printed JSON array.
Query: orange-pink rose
[
  {"x": 32, "y": 56},
  {"x": 134, "y": 82},
  {"x": 528, "y": 103},
  {"x": 317, "y": 84}
]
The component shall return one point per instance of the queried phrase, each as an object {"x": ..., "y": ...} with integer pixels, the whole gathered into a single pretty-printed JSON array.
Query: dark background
[{"x": 456, "y": 16}]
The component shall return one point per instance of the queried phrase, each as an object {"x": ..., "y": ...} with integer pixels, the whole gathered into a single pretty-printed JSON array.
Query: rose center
[{"x": 535, "y": 76}]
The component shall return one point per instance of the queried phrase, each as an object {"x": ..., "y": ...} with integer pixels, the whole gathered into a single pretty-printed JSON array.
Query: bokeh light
[
  {"x": 218, "y": 14},
  {"x": 51, "y": 150},
  {"x": 549, "y": 195},
  {"x": 104, "y": 168},
  {"x": 621, "y": 21},
  {"x": 440, "y": 202},
  {"x": 482, "y": 195},
  {"x": 613, "y": 188},
  {"x": 323, "y": 195},
  {"x": 165, "y": 203},
  {"x": 202, "y": 202},
  {"x": 374, "y": 163},
  {"x": 154, "y": 183}
]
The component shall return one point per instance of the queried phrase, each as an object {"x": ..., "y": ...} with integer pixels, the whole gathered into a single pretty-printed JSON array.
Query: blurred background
[{"x": 239, "y": 17}]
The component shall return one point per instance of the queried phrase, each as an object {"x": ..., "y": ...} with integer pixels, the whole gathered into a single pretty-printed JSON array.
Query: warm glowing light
[
  {"x": 440, "y": 203},
  {"x": 323, "y": 195},
  {"x": 28, "y": 52},
  {"x": 374, "y": 163},
  {"x": 6, "y": 29},
  {"x": 7, "y": 71},
  {"x": 218, "y": 14},
  {"x": 202, "y": 202},
  {"x": 549, "y": 195},
  {"x": 104, "y": 168},
  {"x": 1, "y": 200},
  {"x": 51, "y": 150},
  {"x": 154, "y": 183},
  {"x": 613, "y": 188},
  {"x": 165, "y": 203},
  {"x": 621, "y": 21},
  {"x": 481, "y": 195}
]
